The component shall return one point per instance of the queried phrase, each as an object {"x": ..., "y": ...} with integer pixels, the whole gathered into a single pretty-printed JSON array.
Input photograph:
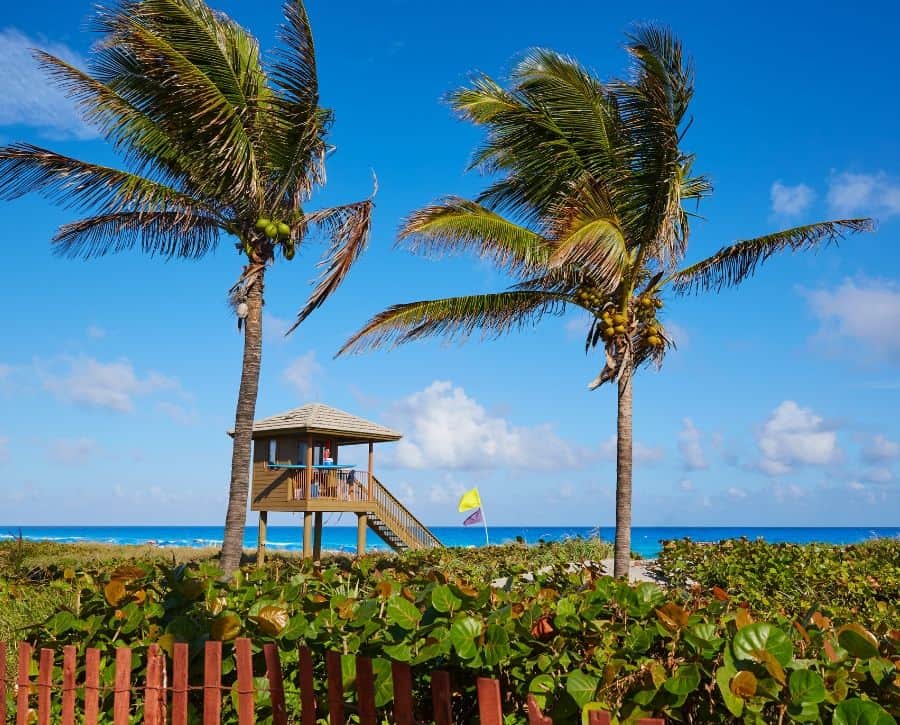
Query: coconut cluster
[
  {"x": 645, "y": 309},
  {"x": 277, "y": 231},
  {"x": 638, "y": 318}
]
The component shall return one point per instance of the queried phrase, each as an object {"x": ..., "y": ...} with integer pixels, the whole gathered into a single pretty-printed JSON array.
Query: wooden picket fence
[{"x": 166, "y": 702}]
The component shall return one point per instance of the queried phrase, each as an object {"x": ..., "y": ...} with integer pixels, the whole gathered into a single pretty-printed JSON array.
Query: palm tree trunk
[
  {"x": 238, "y": 492},
  {"x": 622, "y": 552}
]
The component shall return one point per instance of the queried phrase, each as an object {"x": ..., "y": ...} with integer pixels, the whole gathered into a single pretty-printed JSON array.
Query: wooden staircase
[{"x": 395, "y": 524}]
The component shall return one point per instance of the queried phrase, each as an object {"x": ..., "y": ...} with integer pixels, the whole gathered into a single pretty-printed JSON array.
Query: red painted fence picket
[{"x": 159, "y": 699}]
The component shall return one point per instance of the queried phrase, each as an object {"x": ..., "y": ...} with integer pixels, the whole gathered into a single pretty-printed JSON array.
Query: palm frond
[
  {"x": 297, "y": 124},
  {"x": 454, "y": 318},
  {"x": 166, "y": 234},
  {"x": 348, "y": 229},
  {"x": 596, "y": 245},
  {"x": 165, "y": 69},
  {"x": 457, "y": 224},
  {"x": 71, "y": 183},
  {"x": 733, "y": 264}
]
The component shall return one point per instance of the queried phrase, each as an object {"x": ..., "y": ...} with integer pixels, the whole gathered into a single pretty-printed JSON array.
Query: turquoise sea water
[{"x": 645, "y": 539}]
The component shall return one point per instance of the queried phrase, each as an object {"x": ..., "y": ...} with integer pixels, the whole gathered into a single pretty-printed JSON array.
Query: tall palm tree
[
  {"x": 587, "y": 209},
  {"x": 215, "y": 142}
]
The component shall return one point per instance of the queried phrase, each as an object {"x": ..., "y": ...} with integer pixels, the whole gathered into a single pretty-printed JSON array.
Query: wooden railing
[
  {"x": 161, "y": 700},
  {"x": 334, "y": 484},
  {"x": 400, "y": 519}
]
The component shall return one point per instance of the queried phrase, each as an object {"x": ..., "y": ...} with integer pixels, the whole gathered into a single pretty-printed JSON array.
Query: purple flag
[{"x": 473, "y": 518}]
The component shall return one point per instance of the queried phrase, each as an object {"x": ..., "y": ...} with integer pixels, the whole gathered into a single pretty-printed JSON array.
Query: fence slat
[
  {"x": 122, "y": 694},
  {"x": 212, "y": 680},
  {"x": 276, "y": 684},
  {"x": 365, "y": 691},
  {"x": 153, "y": 691},
  {"x": 403, "y": 702},
  {"x": 489, "y": 702},
  {"x": 244, "y": 656},
  {"x": 23, "y": 683},
  {"x": 335, "y": 688},
  {"x": 91, "y": 686},
  {"x": 180, "y": 684},
  {"x": 600, "y": 717},
  {"x": 535, "y": 716},
  {"x": 440, "y": 698},
  {"x": 307, "y": 691},
  {"x": 45, "y": 682},
  {"x": 68, "y": 691},
  {"x": 3, "y": 682}
]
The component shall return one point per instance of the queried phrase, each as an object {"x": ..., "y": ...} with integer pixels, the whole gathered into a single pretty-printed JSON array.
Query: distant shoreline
[{"x": 342, "y": 539}]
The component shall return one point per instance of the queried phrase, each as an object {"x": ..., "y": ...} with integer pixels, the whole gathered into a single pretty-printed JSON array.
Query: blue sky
[{"x": 118, "y": 376}]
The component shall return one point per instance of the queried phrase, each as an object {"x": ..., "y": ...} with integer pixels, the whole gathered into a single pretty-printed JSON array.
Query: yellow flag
[{"x": 470, "y": 500}]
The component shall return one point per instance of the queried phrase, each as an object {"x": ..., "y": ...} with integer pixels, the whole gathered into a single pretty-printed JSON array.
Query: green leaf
[
  {"x": 443, "y": 599},
  {"x": 754, "y": 640},
  {"x": 685, "y": 680},
  {"x": 861, "y": 712},
  {"x": 858, "y": 641},
  {"x": 734, "y": 703},
  {"x": 582, "y": 687},
  {"x": 399, "y": 652},
  {"x": 496, "y": 645},
  {"x": 463, "y": 635},
  {"x": 806, "y": 686},
  {"x": 403, "y": 613}
]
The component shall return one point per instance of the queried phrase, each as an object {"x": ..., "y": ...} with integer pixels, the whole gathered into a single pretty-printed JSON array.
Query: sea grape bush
[
  {"x": 848, "y": 583},
  {"x": 572, "y": 638}
]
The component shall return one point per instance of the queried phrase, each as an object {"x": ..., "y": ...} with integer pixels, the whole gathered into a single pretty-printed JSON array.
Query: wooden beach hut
[{"x": 298, "y": 466}]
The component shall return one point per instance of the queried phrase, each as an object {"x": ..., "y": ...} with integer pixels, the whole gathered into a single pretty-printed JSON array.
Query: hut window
[
  {"x": 273, "y": 447},
  {"x": 301, "y": 453}
]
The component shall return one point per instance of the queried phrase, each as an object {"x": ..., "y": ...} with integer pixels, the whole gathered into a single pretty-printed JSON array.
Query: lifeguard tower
[{"x": 297, "y": 466}]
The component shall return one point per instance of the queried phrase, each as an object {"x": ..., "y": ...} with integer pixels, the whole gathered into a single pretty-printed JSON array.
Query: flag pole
[{"x": 487, "y": 541}]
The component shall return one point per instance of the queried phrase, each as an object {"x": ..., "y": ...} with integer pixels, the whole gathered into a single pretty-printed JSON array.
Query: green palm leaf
[
  {"x": 455, "y": 317},
  {"x": 78, "y": 184},
  {"x": 733, "y": 264},
  {"x": 166, "y": 234},
  {"x": 460, "y": 225}
]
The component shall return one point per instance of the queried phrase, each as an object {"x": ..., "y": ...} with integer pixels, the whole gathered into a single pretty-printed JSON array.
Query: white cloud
[
  {"x": 29, "y": 98},
  {"x": 791, "y": 200},
  {"x": 114, "y": 385},
  {"x": 737, "y": 493},
  {"x": 177, "y": 413},
  {"x": 880, "y": 448},
  {"x": 865, "y": 310},
  {"x": 686, "y": 484},
  {"x": 856, "y": 486},
  {"x": 95, "y": 332},
  {"x": 445, "y": 428},
  {"x": 72, "y": 451},
  {"x": 878, "y": 474},
  {"x": 274, "y": 328},
  {"x": 302, "y": 374},
  {"x": 691, "y": 447},
  {"x": 850, "y": 194},
  {"x": 795, "y": 436}
]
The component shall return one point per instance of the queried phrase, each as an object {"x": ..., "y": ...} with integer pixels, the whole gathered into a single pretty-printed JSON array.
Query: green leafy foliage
[{"x": 568, "y": 635}]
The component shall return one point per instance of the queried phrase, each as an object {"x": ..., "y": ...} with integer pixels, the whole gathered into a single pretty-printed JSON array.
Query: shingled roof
[{"x": 320, "y": 419}]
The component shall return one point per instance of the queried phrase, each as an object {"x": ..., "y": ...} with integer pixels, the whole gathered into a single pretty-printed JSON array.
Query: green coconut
[
  {"x": 283, "y": 229},
  {"x": 619, "y": 318},
  {"x": 272, "y": 230},
  {"x": 262, "y": 223},
  {"x": 654, "y": 340},
  {"x": 620, "y": 329},
  {"x": 289, "y": 251}
]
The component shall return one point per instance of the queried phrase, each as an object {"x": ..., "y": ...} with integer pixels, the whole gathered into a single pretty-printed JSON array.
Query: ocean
[{"x": 644, "y": 539}]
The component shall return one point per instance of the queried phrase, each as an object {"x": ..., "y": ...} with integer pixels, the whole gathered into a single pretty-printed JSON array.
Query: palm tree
[
  {"x": 215, "y": 142},
  {"x": 587, "y": 208}
]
